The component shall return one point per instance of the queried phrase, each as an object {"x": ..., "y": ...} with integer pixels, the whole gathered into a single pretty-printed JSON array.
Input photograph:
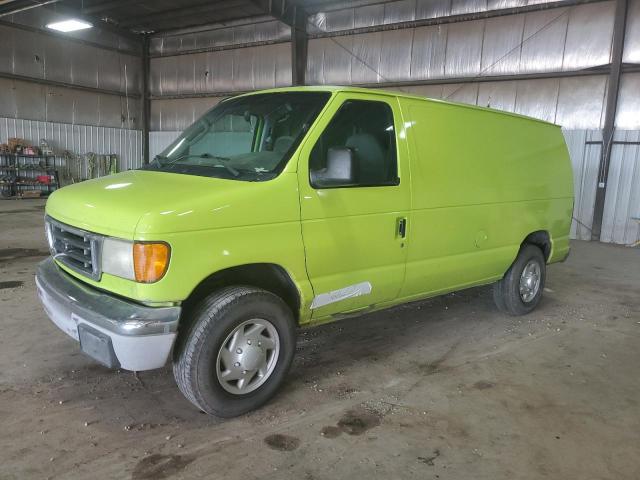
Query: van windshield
[{"x": 248, "y": 138}]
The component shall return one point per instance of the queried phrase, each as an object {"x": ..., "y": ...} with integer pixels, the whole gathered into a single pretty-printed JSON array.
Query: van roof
[{"x": 390, "y": 93}]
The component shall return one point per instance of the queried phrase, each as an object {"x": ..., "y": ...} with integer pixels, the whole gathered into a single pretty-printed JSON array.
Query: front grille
[{"x": 75, "y": 248}]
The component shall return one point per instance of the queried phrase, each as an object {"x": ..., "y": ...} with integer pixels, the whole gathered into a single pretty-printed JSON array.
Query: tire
[
  {"x": 507, "y": 293},
  {"x": 220, "y": 326}
]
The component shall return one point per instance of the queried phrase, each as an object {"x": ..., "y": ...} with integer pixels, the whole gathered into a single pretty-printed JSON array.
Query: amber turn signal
[{"x": 150, "y": 261}]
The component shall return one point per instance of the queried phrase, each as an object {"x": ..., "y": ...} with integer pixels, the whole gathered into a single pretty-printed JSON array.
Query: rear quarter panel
[{"x": 481, "y": 182}]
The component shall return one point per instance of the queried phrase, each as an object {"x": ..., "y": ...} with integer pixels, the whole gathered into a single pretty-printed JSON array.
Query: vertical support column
[
  {"x": 299, "y": 44},
  {"x": 146, "y": 103},
  {"x": 619, "y": 28}
]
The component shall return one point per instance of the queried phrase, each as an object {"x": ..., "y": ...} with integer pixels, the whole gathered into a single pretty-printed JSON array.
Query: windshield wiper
[
  {"x": 158, "y": 159},
  {"x": 194, "y": 155},
  {"x": 229, "y": 168}
]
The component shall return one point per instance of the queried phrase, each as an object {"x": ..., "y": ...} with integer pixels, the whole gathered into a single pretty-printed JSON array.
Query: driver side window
[{"x": 357, "y": 149}]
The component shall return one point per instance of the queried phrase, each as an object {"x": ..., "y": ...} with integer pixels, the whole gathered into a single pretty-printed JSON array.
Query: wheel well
[
  {"x": 539, "y": 239},
  {"x": 267, "y": 276}
]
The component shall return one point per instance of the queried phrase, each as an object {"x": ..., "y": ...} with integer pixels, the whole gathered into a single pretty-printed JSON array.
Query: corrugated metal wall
[
  {"x": 80, "y": 139},
  {"x": 102, "y": 73},
  {"x": 202, "y": 63},
  {"x": 33, "y": 101},
  {"x": 98, "y": 110},
  {"x": 158, "y": 141},
  {"x": 241, "y": 69},
  {"x": 585, "y": 159},
  {"x": 176, "y": 115},
  {"x": 632, "y": 37},
  {"x": 558, "y": 40},
  {"x": 567, "y": 43},
  {"x": 574, "y": 102},
  {"x": 621, "y": 222},
  {"x": 49, "y": 57},
  {"x": 561, "y": 39}
]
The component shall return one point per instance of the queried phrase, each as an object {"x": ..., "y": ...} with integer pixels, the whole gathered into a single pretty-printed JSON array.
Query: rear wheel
[
  {"x": 520, "y": 290},
  {"x": 237, "y": 351}
]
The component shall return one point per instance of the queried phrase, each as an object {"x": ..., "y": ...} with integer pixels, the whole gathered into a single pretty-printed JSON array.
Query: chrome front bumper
[{"x": 114, "y": 331}]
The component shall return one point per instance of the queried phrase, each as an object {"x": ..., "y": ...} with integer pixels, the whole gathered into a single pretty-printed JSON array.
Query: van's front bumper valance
[{"x": 114, "y": 331}]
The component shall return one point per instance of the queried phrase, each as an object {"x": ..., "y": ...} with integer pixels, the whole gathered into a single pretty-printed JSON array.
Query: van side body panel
[{"x": 481, "y": 182}]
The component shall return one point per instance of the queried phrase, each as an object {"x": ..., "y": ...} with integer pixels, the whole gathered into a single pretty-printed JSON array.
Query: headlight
[
  {"x": 117, "y": 258},
  {"x": 144, "y": 262}
]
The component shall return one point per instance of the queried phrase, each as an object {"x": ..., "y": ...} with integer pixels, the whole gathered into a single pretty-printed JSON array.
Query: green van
[{"x": 298, "y": 206}]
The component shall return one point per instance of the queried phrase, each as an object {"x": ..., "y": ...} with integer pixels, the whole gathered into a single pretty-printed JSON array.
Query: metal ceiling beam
[
  {"x": 220, "y": 48},
  {"x": 182, "y": 12},
  {"x": 96, "y": 21},
  {"x": 464, "y": 17},
  {"x": 16, "y": 6},
  {"x": 105, "y": 6},
  {"x": 283, "y": 10},
  {"x": 203, "y": 25},
  {"x": 613, "y": 90},
  {"x": 338, "y": 5},
  {"x": 209, "y": 26},
  {"x": 53, "y": 33}
]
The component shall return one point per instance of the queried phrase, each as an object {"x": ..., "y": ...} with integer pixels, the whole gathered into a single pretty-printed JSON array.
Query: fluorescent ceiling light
[{"x": 69, "y": 25}]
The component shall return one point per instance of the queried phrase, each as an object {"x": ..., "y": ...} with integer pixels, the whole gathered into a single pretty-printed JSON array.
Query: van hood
[{"x": 137, "y": 203}]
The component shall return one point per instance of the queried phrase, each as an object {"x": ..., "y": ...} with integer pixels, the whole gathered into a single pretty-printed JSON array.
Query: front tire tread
[{"x": 192, "y": 343}]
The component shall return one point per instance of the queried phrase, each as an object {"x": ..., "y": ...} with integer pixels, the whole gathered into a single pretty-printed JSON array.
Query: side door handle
[{"x": 402, "y": 227}]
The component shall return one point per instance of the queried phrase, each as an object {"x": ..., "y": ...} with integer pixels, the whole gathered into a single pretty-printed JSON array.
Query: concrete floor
[{"x": 441, "y": 389}]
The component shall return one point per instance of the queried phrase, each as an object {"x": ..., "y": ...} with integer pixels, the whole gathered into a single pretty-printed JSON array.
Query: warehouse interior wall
[
  {"x": 549, "y": 63},
  {"x": 81, "y": 91},
  {"x": 549, "y": 59}
]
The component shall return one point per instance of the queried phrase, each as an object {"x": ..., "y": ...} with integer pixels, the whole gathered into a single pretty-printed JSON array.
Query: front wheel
[
  {"x": 520, "y": 290},
  {"x": 237, "y": 351}
]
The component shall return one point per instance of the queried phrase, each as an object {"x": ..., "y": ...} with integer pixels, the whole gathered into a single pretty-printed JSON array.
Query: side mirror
[{"x": 340, "y": 169}]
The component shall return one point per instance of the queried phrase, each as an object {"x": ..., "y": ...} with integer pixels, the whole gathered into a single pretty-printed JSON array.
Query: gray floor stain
[
  {"x": 7, "y": 254},
  {"x": 284, "y": 443},
  {"x": 358, "y": 421},
  {"x": 159, "y": 466}
]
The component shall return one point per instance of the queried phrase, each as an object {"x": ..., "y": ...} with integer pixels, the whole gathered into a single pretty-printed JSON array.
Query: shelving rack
[{"x": 18, "y": 171}]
